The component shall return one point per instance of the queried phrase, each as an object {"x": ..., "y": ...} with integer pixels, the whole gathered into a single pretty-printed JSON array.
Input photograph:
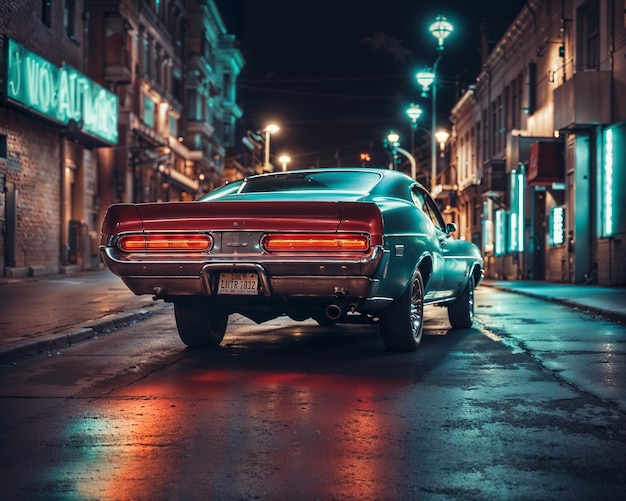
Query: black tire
[
  {"x": 461, "y": 311},
  {"x": 402, "y": 322},
  {"x": 200, "y": 324}
]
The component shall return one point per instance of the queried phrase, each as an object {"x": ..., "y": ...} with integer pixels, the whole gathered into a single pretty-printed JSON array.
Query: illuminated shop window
[
  {"x": 173, "y": 127},
  {"x": 557, "y": 225},
  {"x": 500, "y": 232},
  {"x": 148, "y": 111},
  {"x": 516, "y": 221},
  {"x": 487, "y": 224},
  {"x": 606, "y": 183}
]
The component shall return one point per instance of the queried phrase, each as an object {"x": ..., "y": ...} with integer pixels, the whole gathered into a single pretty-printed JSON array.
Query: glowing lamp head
[
  {"x": 441, "y": 29},
  {"x": 425, "y": 78},
  {"x": 442, "y": 137},
  {"x": 414, "y": 112},
  {"x": 393, "y": 138}
]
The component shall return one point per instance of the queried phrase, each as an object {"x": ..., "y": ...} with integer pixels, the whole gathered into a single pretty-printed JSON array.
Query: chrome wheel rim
[{"x": 417, "y": 309}]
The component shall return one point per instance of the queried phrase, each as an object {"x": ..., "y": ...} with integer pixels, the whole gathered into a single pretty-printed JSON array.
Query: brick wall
[{"x": 33, "y": 165}]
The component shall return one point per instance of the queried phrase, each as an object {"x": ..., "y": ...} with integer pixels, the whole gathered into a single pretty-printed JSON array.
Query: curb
[
  {"x": 14, "y": 352},
  {"x": 614, "y": 316}
]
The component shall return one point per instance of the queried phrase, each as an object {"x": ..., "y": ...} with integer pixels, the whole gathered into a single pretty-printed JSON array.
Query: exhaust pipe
[{"x": 333, "y": 311}]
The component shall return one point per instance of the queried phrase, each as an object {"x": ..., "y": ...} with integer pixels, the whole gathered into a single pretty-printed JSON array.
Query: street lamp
[
  {"x": 441, "y": 30},
  {"x": 394, "y": 141},
  {"x": 442, "y": 138},
  {"x": 414, "y": 112},
  {"x": 284, "y": 160},
  {"x": 425, "y": 78},
  {"x": 269, "y": 130}
]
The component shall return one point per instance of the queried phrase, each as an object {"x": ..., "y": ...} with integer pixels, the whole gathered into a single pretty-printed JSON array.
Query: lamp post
[
  {"x": 440, "y": 29},
  {"x": 414, "y": 112},
  {"x": 394, "y": 141},
  {"x": 269, "y": 130},
  {"x": 284, "y": 160}
]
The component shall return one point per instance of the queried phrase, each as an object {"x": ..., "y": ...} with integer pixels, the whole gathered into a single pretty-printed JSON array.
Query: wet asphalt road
[{"x": 287, "y": 410}]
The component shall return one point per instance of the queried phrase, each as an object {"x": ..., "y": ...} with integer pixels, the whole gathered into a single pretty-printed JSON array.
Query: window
[
  {"x": 590, "y": 19},
  {"x": 46, "y": 12},
  {"x": 356, "y": 182},
  {"x": 424, "y": 202},
  {"x": 145, "y": 56},
  {"x": 499, "y": 233},
  {"x": 227, "y": 87},
  {"x": 3, "y": 147},
  {"x": 69, "y": 18},
  {"x": 516, "y": 221},
  {"x": 500, "y": 128},
  {"x": 148, "y": 111},
  {"x": 173, "y": 127}
]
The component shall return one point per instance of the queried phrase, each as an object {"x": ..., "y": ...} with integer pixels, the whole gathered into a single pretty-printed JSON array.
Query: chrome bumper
[{"x": 293, "y": 277}]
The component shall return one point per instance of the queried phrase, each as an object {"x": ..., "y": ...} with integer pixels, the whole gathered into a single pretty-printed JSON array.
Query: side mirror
[{"x": 450, "y": 228}]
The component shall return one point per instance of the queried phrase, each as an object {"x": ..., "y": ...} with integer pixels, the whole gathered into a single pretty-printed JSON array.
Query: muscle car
[{"x": 336, "y": 245}]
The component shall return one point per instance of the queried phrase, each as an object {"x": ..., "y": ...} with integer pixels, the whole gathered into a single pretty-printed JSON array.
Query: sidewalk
[
  {"x": 43, "y": 314},
  {"x": 607, "y": 302},
  {"x": 34, "y": 316}
]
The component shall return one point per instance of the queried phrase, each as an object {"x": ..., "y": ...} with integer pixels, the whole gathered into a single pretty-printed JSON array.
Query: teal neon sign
[
  {"x": 607, "y": 185},
  {"x": 517, "y": 212},
  {"x": 61, "y": 94}
]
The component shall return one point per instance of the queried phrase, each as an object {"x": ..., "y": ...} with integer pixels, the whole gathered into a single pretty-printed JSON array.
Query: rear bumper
[{"x": 294, "y": 277}]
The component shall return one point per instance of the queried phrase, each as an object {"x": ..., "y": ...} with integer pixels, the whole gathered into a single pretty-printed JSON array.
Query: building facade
[
  {"x": 538, "y": 146},
  {"x": 104, "y": 102}
]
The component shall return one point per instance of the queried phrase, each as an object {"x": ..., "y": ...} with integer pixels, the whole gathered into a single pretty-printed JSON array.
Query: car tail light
[
  {"x": 303, "y": 242},
  {"x": 164, "y": 243}
]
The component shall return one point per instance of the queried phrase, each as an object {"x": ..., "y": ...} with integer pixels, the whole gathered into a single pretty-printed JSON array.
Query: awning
[{"x": 545, "y": 163}]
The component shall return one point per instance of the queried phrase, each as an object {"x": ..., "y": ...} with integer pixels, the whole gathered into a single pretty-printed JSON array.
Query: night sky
[{"x": 336, "y": 76}]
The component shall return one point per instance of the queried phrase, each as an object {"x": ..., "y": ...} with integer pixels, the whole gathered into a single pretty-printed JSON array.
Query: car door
[
  {"x": 436, "y": 286},
  {"x": 454, "y": 254}
]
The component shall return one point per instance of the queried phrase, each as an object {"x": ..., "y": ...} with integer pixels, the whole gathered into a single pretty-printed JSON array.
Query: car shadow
[{"x": 307, "y": 348}]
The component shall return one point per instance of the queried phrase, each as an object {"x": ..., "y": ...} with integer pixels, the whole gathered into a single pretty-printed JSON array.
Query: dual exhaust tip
[{"x": 333, "y": 311}]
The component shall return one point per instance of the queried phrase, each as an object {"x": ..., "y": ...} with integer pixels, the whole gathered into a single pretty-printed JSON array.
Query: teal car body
[{"x": 337, "y": 245}]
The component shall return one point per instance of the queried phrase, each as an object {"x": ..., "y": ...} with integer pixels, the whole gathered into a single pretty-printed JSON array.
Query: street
[{"x": 288, "y": 410}]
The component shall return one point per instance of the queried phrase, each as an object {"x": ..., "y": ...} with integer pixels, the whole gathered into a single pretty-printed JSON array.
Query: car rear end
[{"x": 246, "y": 249}]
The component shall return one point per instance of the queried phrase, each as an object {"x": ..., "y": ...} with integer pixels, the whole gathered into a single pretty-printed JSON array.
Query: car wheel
[
  {"x": 402, "y": 322},
  {"x": 200, "y": 324},
  {"x": 461, "y": 311}
]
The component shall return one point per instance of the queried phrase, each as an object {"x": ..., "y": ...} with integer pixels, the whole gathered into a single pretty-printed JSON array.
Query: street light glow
[
  {"x": 269, "y": 130},
  {"x": 393, "y": 138},
  {"x": 414, "y": 112},
  {"x": 425, "y": 78},
  {"x": 442, "y": 137},
  {"x": 284, "y": 160},
  {"x": 441, "y": 29}
]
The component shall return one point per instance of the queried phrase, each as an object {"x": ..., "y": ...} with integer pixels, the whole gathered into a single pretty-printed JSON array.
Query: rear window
[{"x": 347, "y": 181}]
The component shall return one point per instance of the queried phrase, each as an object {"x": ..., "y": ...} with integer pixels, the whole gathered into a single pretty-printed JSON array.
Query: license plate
[{"x": 238, "y": 283}]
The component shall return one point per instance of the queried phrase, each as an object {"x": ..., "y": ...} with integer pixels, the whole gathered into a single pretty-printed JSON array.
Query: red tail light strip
[
  {"x": 164, "y": 243},
  {"x": 315, "y": 242}
]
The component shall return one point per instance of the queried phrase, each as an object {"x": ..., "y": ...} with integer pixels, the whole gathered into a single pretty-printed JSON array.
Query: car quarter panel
[{"x": 410, "y": 238}]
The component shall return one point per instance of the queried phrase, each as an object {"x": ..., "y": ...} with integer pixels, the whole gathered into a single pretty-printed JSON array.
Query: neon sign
[
  {"x": 61, "y": 94},
  {"x": 607, "y": 184},
  {"x": 557, "y": 225}
]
